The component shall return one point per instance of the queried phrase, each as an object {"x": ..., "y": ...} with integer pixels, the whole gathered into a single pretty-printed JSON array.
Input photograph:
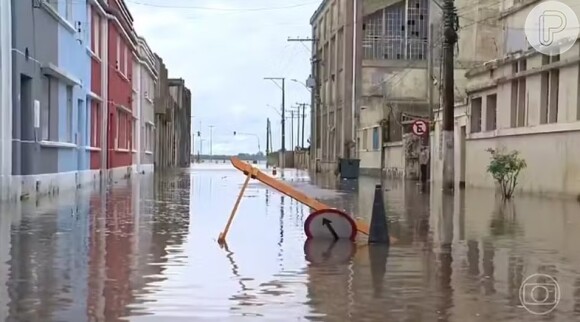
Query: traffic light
[
  {"x": 198, "y": 133},
  {"x": 234, "y": 132}
]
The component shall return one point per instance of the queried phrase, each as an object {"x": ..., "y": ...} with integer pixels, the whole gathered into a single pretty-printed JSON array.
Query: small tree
[{"x": 505, "y": 167}]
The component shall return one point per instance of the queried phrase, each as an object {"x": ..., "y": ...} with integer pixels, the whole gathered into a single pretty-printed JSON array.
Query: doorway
[
  {"x": 462, "y": 153},
  {"x": 81, "y": 135}
]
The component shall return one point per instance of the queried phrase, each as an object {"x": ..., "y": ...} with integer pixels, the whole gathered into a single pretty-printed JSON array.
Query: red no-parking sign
[{"x": 419, "y": 127}]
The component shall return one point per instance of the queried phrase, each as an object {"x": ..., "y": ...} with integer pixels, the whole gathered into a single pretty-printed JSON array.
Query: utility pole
[
  {"x": 211, "y": 143},
  {"x": 267, "y": 140},
  {"x": 283, "y": 87},
  {"x": 314, "y": 96},
  {"x": 303, "y": 117},
  {"x": 430, "y": 138},
  {"x": 450, "y": 34},
  {"x": 292, "y": 130}
]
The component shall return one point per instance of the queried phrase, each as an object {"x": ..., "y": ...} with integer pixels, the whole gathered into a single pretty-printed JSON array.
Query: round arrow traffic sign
[
  {"x": 330, "y": 224},
  {"x": 419, "y": 127}
]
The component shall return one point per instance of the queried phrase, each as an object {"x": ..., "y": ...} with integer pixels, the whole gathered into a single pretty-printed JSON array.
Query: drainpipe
[
  {"x": 354, "y": 65},
  {"x": 105, "y": 95},
  {"x": 5, "y": 98},
  {"x": 138, "y": 122}
]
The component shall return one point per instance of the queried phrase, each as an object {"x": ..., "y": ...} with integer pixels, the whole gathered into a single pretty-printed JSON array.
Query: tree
[{"x": 505, "y": 167}]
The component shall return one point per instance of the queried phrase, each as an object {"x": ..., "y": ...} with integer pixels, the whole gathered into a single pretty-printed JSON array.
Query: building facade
[
  {"x": 333, "y": 111},
  {"x": 120, "y": 120},
  {"x": 163, "y": 114},
  {"x": 395, "y": 81},
  {"x": 181, "y": 123},
  {"x": 525, "y": 101},
  {"x": 51, "y": 72},
  {"x": 99, "y": 70},
  {"x": 146, "y": 79},
  {"x": 78, "y": 93}
]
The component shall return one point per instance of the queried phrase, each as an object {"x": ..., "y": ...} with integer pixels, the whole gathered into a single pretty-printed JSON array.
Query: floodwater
[{"x": 146, "y": 250}]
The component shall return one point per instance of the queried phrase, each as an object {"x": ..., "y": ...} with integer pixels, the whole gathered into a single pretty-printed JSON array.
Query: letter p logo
[{"x": 551, "y": 23}]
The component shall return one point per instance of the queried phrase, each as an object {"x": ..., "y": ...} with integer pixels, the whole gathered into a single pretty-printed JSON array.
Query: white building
[
  {"x": 144, "y": 94},
  {"x": 5, "y": 98},
  {"x": 523, "y": 101},
  {"x": 396, "y": 83}
]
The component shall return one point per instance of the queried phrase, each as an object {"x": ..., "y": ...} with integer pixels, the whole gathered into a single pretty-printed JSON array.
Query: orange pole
[
  {"x": 222, "y": 236},
  {"x": 290, "y": 191}
]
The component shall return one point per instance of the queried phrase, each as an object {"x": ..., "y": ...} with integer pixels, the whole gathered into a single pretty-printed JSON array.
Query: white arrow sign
[{"x": 330, "y": 224}]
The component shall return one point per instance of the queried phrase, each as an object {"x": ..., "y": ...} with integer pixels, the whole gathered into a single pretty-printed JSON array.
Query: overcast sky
[{"x": 223, "y": 49}]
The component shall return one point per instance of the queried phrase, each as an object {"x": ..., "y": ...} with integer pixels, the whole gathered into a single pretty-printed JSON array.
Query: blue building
[{"x": 51, "y": 80}]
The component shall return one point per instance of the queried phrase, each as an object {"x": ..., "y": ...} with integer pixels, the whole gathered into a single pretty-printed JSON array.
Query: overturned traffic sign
[{"x": 330, "y": 224}]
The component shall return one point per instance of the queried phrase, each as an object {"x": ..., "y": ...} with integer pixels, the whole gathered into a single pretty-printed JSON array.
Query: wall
[
  {"x": 98, "y": 94},
  {"x": 161, "y": 107},
  {"x": 148, "y": 79},
  {"x": 34, "y": 31},
  {"x": 333, "y": 72},
  {"x": 5, "y": 99},
  {"x": 120, "y": 133},
  {"x": 74, "y": 60}
]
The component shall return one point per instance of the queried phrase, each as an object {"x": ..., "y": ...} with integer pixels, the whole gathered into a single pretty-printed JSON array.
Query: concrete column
[{"x": 5, "y": 98}]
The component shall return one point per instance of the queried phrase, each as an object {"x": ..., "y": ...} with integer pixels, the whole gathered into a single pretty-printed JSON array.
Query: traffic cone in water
[
  {"x": 274, "y": 171},
  {"x": 379, "y": 229}
]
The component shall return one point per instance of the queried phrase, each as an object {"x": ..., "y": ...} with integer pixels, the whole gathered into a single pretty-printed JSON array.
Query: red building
[{"x": 113, "y": 44}]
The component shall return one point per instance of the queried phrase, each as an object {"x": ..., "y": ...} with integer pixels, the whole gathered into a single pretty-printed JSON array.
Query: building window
[
  {"x": 365, "y": 145},
  {"x": 376, "y": 139},
  {"x": 69, "y": 114},
  {"x": 125, "y": 60},
  {"x": 476, "y": 115},
  {"x": 69, "y": 10},
  {"x": 96, "y": 39},
  {"x": 518, "y": 96},
  {"x": 491, "y": 112},
  {"x": 148, "y": 137},
  {"x": 123, "y": 129},
  {"x": 550, "y": 83},
  {"x": 388, "y": 34},
  {"x": 46, "y": 112},
  {"x": 95, "y": 123}
]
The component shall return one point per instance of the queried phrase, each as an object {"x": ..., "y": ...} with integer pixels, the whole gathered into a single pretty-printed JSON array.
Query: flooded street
[{"x": 146, "y": 250}]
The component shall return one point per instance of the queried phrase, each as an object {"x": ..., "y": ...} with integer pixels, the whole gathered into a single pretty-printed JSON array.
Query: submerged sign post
[{"x": 330, "y": 224}]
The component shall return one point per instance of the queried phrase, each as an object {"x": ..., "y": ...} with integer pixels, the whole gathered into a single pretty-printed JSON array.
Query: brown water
[{"x": 146, "y": 250}]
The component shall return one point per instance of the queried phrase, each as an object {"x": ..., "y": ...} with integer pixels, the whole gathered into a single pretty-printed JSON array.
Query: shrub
[{"x": 505, "y": 167}]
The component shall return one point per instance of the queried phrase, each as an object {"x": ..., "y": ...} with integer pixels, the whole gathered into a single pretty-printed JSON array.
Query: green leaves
[{"x": 505, "y": 168}]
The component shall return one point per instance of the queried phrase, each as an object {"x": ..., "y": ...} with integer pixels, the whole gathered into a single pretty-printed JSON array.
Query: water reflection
[{"x": 146, "y": 250}]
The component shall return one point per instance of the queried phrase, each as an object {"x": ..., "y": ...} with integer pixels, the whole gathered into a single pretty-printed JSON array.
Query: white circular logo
[
  {"x": 540, "y": 294},
  {"x": 552, "y": 28}
]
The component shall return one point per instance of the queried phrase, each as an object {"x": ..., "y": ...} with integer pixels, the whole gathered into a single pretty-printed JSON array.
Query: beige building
[
  {"x": 523, "y": 101},
  {"x": 391, "y": 73},
  {"x": 332, "y": 112}
]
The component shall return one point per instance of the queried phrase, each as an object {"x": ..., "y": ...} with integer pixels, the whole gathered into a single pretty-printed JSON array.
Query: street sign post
[
  {"x": 330, "y": 224},
  {"x": 419, "y": 127}
]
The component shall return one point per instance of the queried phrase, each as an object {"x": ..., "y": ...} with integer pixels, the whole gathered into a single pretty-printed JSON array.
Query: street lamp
[
  {"x": 250, "y": 134},
  {"x": 308, "y": 88}
]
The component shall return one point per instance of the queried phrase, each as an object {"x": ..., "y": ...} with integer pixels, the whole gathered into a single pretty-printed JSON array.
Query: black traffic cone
[{"x": 379, "y": 230}]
